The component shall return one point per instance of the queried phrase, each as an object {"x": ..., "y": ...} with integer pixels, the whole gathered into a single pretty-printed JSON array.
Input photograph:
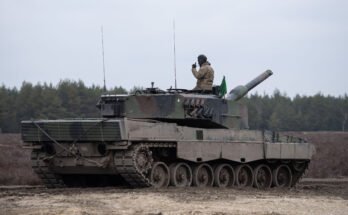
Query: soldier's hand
[{"x": 194, "y": 65}]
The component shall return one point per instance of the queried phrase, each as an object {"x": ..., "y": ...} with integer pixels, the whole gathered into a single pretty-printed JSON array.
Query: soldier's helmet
[{"x": 202, "y": 59}]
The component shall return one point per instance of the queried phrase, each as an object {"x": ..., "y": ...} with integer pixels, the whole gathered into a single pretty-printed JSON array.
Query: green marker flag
[{"x": 222, "y": 88}]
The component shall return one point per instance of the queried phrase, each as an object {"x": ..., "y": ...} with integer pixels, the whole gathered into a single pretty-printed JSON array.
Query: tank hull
[{"x": 152, "y": 153}]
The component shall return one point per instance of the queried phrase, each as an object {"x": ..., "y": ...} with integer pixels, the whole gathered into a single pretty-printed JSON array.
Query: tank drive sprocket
[{"x": 133, "y": 164}]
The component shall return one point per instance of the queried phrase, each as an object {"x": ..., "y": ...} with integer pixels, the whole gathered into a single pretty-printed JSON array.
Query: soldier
[{"x": 205, "y": 75}]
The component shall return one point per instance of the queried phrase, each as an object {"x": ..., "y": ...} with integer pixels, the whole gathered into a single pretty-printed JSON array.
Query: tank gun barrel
[{"x": 240, "y": 91}]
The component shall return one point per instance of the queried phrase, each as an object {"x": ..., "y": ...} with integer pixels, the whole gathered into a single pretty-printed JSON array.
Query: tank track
[
  {"x": 41, "y": 168},
  {"x": 126, "y": 166}
]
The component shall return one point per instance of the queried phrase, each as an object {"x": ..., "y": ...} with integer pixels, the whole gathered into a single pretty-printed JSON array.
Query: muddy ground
[{"x": 311, "y": 196}]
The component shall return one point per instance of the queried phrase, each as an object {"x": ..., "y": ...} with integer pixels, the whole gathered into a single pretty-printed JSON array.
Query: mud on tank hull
[{"x": 145, "y": 153}]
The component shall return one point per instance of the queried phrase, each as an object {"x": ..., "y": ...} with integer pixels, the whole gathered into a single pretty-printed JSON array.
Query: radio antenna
[
  {"x": 102, "y": 40},
  {"x": 174, "y": 53}
]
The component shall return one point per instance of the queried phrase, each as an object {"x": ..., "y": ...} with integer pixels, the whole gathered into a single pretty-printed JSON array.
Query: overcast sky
[{"x": 305, "y": 43}]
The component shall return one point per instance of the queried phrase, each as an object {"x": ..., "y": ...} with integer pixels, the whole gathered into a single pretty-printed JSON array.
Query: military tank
[{"x": 166, "y": 138}]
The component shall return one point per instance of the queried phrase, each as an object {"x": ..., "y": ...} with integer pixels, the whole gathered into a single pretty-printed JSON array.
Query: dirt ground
[{"x": 311, "y": 196}]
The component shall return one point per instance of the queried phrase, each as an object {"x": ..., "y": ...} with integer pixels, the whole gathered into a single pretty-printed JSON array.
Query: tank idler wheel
[
  {"x": 244, "y": 176},
  {"x": 299, "y": 165},
  {"x": 159, "y": 176},
  {"x": 203, "y": 175},
  {"x": 180, "y": 174},
  {"x": 224, "y": 175},
  {"x": 282, "y": 176},
  {"x": 262, "y": 177}
]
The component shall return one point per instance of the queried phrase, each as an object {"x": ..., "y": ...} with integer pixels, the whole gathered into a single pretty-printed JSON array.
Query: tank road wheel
[
  {"x": 180, "y": 175},
  {"x": 142, "y": 158},
  {"x": 159, "y": 175},
  {"x": 244, "y": 176},
  {"x": 282, "y": 176},
  {"x": 299, "y": 166},
  {"x": 203, "y": 175},
  {"x": 262, "y": 177},
  {"x": 224, "y": 175}
]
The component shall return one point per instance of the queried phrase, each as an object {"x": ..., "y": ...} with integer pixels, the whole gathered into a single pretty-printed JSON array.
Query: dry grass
[
  {"x": 15, "y": 168},
  {"x": 331, "y": 158}
]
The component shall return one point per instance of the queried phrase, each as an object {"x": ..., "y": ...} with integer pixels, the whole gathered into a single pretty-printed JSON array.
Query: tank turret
[{"x": 184, "y": 107}]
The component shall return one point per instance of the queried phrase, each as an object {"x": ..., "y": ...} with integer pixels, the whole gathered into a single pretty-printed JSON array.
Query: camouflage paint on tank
[
  {"x": 194, "y": 144},
  {"x": 71, "y": 130},
  {"x": 186, "y": 108},
  {"x": 153, "y": 106}
]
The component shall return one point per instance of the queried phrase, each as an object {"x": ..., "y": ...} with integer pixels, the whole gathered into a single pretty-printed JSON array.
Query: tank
[{"x": 166, "y": 138}]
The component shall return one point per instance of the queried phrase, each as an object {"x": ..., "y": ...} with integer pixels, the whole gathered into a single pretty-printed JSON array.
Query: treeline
[
  {"x": 301, "y": 113},
  {"x": 70, "y": 99}
]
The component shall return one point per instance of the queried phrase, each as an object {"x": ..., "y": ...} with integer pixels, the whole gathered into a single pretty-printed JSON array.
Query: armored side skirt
[{"x": 199, "y": 145}]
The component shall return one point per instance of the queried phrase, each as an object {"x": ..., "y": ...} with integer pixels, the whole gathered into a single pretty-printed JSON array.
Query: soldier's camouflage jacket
[{"x": 205, "y": 77}]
